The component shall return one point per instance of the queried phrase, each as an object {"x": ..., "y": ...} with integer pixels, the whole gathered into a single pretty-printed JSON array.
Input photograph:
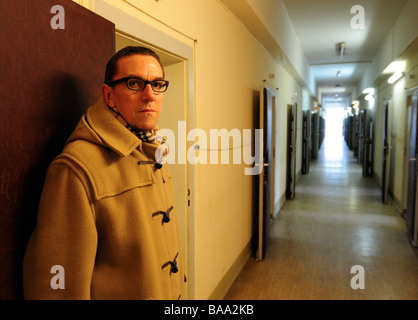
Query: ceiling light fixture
[
  {"x": 337, "y": 87},
  {"x": 396, "y": 76},
  {"x": 355, "y": 106},
  {"x": 397, "y": 68},
  {"x": 340, "y": 47},
  {"x": 369, "y": 92}
]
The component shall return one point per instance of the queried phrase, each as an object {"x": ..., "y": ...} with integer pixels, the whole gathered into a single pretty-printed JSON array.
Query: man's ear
[{"x": 107, "y": 93}]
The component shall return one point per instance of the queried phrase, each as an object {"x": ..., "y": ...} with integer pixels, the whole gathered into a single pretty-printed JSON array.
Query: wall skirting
[{"x": 228, "y": 279}]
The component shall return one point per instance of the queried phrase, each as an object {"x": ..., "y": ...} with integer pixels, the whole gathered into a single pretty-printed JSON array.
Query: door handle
[
  {"x": 413, "y": 159},
  {"x": 266, "y": 164}
]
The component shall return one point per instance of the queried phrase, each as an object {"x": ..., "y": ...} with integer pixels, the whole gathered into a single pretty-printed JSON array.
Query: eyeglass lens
[{"x": 139, "y": 85}]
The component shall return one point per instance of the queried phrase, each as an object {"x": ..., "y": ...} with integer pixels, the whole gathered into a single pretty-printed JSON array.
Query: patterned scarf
[{"x": 151, "y": 136}]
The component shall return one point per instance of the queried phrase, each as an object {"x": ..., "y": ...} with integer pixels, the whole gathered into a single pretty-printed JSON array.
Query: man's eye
[
  {"x": 160, "y": 85},
  {"x": 135, "y": 83}
]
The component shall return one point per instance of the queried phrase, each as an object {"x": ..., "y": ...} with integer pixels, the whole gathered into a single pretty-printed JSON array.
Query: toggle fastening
[
  {"x": 174, "y": 268},
  {"x": 166, "y": 214},
  {"x": 157, "y": 165}
]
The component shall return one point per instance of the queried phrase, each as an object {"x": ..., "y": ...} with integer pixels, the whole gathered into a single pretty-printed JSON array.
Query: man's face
[{"x": 141, "y": 109}]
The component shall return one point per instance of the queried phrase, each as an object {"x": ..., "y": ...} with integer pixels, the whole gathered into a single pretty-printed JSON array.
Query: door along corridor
[{"x": 336, "y": 221}]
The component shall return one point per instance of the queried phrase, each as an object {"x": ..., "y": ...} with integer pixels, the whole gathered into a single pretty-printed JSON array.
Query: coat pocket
[
  {"x": 113, "y": 182},
  {"x": 115, "y": 177}
]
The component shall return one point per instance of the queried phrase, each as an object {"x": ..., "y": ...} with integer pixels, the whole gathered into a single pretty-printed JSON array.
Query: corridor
[
  {"x": 336, "y": 221},
  {"x": 225, "y": 60}
]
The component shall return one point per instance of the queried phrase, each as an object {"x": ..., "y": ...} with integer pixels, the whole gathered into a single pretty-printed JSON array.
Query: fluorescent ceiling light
[
  {"x": 395, "y": 66},
  {"x": 396, "y": 76},
  {"x": 368, "y": 91},
  {"x": 368, "y": 97}
]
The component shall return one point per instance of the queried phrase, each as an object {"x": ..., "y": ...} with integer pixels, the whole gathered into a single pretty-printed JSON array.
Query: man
[{"x": 107, "y": 224}]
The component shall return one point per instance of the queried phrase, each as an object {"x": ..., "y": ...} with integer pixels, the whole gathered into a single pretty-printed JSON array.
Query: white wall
[
  {"x": 399, "y": 44},
  {"x": 400, "y": 36}
]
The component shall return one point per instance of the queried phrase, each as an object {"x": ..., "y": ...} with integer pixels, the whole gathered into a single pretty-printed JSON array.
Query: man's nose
[{"x": 148, "y": 93}]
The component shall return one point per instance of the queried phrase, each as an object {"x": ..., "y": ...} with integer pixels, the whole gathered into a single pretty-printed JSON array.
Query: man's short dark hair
[{"x": 112, "y": 65}]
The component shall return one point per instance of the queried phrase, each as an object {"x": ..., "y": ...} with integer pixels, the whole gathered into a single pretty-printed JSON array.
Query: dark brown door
[
  {"x": 385, "y": 162},
  {"x": 291, "y": 152},
  {"x": 368, "y": 146},
  {"x": 49, "y": 77},
  {"x": 361, "y": 135},
  {"x": 306, "y": 148},
  {"x": 315, "y": 136},
  {"x": 265, "y": 211}
]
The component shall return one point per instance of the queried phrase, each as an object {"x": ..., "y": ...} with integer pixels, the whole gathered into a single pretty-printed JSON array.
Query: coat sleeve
[{"x": 59, "y": 258}]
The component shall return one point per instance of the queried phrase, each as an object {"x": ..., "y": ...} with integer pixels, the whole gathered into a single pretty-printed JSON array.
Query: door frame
[
  {"x": 137, "y": 29},
  {"x": 412, "y": 223}
]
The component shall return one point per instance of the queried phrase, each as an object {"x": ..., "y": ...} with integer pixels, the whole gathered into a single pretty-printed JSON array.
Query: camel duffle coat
[{"x": 107, "y": 224}]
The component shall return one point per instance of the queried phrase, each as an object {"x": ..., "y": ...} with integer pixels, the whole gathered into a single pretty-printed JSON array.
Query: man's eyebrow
[
  {"x": 133, "y": 76},
  {"x": 138, "y": 77}
]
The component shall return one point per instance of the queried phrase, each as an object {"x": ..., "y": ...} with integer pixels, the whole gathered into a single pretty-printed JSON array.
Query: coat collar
[{"x": 109, "y": 130}]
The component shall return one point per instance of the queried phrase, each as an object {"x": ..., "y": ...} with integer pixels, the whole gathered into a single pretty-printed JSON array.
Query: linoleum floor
[{"x": 336, "y": 221}]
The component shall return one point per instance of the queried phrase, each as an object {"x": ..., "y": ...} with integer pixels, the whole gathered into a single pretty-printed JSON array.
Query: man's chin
[{"x": 146, "y": 127}]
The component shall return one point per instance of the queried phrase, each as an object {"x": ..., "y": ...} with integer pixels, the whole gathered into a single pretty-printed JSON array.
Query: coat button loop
[
  {"x": 174, "y": 268},
  {"x": 166, "y": 214}
]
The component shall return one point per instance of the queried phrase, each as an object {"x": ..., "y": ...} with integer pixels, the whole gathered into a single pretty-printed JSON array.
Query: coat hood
[{"x": 99, "y": 126}]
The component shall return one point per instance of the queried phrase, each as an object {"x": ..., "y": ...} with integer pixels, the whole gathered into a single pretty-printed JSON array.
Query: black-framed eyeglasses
[{"x": 138, "y": 84}]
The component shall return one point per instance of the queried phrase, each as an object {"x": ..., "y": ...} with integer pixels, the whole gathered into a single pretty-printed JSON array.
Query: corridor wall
[
  {"x": 399, "y": 44},
  {"x": 396, "y": 94}
]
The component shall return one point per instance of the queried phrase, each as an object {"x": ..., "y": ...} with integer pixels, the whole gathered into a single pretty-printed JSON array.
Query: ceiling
[{"x": 321, "y": 24}]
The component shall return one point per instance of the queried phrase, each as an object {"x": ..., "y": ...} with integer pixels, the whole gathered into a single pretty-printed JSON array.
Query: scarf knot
[{"x": 151, "y": 136}]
